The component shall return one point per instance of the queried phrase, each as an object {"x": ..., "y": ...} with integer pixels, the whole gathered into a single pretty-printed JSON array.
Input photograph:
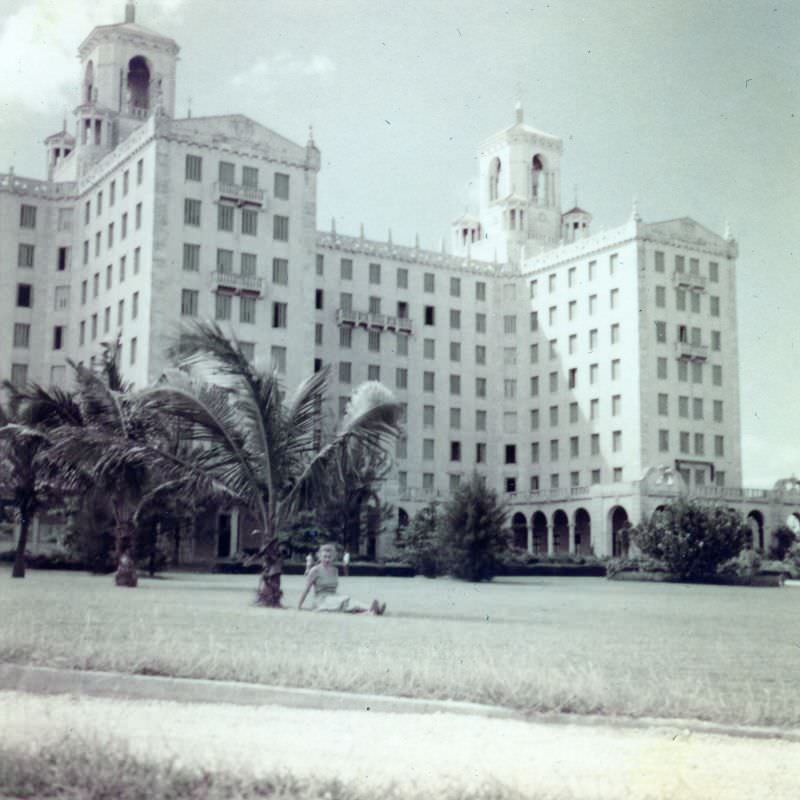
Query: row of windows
[
  {"x": 22, "y": 336},
  {"x": 680, "y": 265},
  {"x": 695, "y": 304},
  {"x": 226, "y": 175},
  {"x": 110, "y": 234},
  {"x": 95, "y": 320},
  {"x": 685, "y": 369},
  {"x": 511, "y": 483},
  {"x": 685, "y": 441},
  {"x": 685, "y": 403},
  {"x": 26, "y": 257},
  {"x": 572, "y": 276},
  {"x": 226, "y": 214},
  {"x": 686, "y": 335},
  {"x": 109, "y": 275},
  {"x": 112, "y": 192}
]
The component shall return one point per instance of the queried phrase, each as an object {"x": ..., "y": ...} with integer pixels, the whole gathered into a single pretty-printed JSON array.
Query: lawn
[{"x": 583, "y": 645}]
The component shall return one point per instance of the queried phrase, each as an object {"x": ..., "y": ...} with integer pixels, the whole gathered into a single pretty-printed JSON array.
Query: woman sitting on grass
[{"x": 324, "y": 577}]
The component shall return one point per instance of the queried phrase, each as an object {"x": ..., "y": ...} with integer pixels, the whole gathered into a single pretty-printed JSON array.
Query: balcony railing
[
  {"x": 695, "y": 352},
  {"x": 687, "y": 280},
  {"x": 243, "y": 284},
  {"x": 414, "y": 493},
  {"x": 243, "y": 195},
  {"x": 367, "y": 319}
]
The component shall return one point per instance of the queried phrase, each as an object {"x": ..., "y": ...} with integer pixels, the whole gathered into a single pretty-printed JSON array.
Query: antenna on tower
[
  {"x": 189, "y": 108},
  {"x": 130, "y": 11}
]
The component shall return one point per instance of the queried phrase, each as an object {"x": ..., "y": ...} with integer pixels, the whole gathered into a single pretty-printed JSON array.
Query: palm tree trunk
[
  {"x": 269, "y": 584},
  {"x": 126, "y": 574},
  {"x": 22, "y": 544}
]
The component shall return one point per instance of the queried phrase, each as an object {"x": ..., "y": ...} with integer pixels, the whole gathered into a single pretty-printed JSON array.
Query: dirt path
[{"x": 422, "y": 750}]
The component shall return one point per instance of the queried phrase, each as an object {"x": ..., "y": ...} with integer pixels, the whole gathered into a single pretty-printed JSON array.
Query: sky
[{"x": 692, "y": 107}]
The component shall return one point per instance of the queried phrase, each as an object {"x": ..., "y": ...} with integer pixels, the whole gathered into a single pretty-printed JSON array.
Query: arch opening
[
  {"x": 755, "y": 521},
  {"x": 138, "y": 85},
  {"x": 495, "y": 169},
  {"x": 583, "y": 532},
  {"x": 539, "y": 529},
  {"x": 620, "y": 526},
  {"x": 519, "y": 531},
  {"x": 537, "y": 188},
  {"x": 560, "y": 532}
]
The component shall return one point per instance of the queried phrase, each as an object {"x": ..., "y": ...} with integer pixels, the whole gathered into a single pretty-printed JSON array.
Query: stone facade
[{"x": 588, "y": 376}]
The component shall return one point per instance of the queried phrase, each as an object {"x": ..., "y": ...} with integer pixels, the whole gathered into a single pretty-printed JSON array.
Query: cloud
[
  {"x": 284, "y": 65},
  {"x": 39, "y": 43}
]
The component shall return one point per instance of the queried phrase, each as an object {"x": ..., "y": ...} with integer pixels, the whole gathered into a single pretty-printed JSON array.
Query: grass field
[{"x": 583, "y": 645}]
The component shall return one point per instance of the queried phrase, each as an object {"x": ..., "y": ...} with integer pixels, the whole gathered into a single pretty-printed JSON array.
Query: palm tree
[
  {"x": 262, "y": 451},
  {"x": 26, "y": 475}
]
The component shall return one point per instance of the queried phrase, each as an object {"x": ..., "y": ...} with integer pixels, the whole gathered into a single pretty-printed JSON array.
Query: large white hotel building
[{"x": 589, "y": 376}]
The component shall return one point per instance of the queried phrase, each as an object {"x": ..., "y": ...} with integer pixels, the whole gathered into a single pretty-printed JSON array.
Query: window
[
  {"x": 97, "y": 242},
  {"x": 594, "y": 443},
  {"x": 572, "y": 309},
  {"x": 191, "y": 212},
  {"x": 85, "y": 252},
  {"x": 318, "y": 299},
  {"x": 663, "y": 441},
  {"x": 107, "y": 319},
  {"x": 615, "y": 369},
  {"x": 716, "y": 375},
  {"x": 401, "y": 378},
  {"x": 480, "y": 387},
  {"x": 133, "y": 351},
  {"x": 346, "y": 269},
  {"x": 554, "y": 450},
  {"x": 697, "y": 371},
  {"x": 278, "y": 358},
  {"x": 225, "y": 217},
  {"x": 509, "y": 323},
  {"x": 683, "y": 371},
  {"x": 594, "y": 408},
  {"x": 616, "y": 441},
  {"x": 375, "y": 273},
  {"x": 480, "y": 323},
  {"x": 345, "y": 372},
  {"x": 455, "y": 319},
  {"x": 480, "y": 291},
  {"x": 552, "y": 349},
  {"x": 135, "y": 305},
  {"x": 22, "y": 334},
  {"x": 249, "y": 221},
  {"x": 99, "y": 209},
  {"x": 247, "y": 309},
  {"x": 719, "y": 446},
  {"x": 714, "y": 305},
  {"x": 699, "y": 444},
  {"x": 718, "y": 411},
  {"x": 139, "y": 173},
  {"x": 428, "y": 381},
  {"x": 374, "y": 341},
  {"x": 248, "y": 264},
  {"x": 683, "y": 407},
  {"x": 614, "y": 298},
  {"x": 480, "y": 354},
  {"x": 553, "y": 382},
  {"x": 401, "y": 449},
  {"x": 534, "y": 354},
  {"x": 551, "y": 283},
  {"x": 429, "y": 281},
  {"x": 713, "y": 272},
  {"x": 84, "y": 292},
  {"x": 659, "y": 261},
  {"x": 223, "y": 305},
  {"x": 661, "y": 368},
  {"x": 509, "y": 389},
  {"x": 553, "y": 416},
  {"x": 194, "y": 168},
  {"x": 120, "y": 313},
  {"x": 535, "y": 386},
  {"x": 402, "y": 344},
  {"x": 533, "y": 289},
  {"x": 617, "y": 475},
  {"x": 684, "y": 442},
  {"x": 615, "y": 333},
  {"x": 663, "y": 405},
  {"x": 661, "y": 296},
  {"x": 281, "y": 186},
  {"x": 429, "y": 315},
  {"x": 592, "y": 304},
  {"x": 534, "y": 321},
  {"x": 697, "y": 407},
  {"x": 572, "y": 378},
  {"x": 25, "y": 255},
  {"x": 428, "y": 348},
  {"x": 27, "y": 216},
  {"x": 480, "y": 420},
  {"x": 455, "y": 384},
  {"x": 661, "y": 332},
  {"x": 280, "y": 314},
  {"x": 694, "y": 305},
  {"x": 137, "y": 258},
  {"x": 551, "y": 315},
  {"x": 428, "y": 449},
  {"x": 455, "y": 351},
  {"x": 680, "y": 299},
  {"x": 19, "y": 375},
  {"x": 535, "y": 419},
  {"x": 250, "y": 177},
  {"x": 138, "y": 216},
  {"x": 24, "y": 295},
  {"x": 593, "y": 339},
  {"x": 280, "y": 228},
  {"x": 280, "y": 271},
  {"x": 373, "y": 372},
  {"x": 455, "y": 451},
  {"x": 125, "y": 182},
  {"x": 511, "y": 454},
  {"x": 345, "y": 337}
]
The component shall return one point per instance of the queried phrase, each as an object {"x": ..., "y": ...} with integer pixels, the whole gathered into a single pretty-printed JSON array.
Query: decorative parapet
[
  {"x": 412, "y": 255},
  {"x": 235, "y": 282},
  {"x": 242, "y": 195},
  {"x": 31, "y": 187}
]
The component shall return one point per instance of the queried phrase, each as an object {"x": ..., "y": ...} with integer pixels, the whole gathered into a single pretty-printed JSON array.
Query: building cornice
[
  {"x": 32, "y": 187},
  {"x": 108, "y": 34}
]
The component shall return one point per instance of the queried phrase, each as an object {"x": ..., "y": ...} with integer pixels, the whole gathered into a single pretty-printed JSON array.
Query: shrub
[
  {"x": 421, "y": 541},
  {"x": 781, "y": 542},
  {"x": 745, "y": 565},
  {"x": 473, "y": 534},
  {"x": 634, "y": 564},
  {"x": 692, "y": 539}
]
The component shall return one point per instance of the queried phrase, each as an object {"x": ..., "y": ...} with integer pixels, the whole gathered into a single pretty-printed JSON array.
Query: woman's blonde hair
[{"x": 329, "y": 546}]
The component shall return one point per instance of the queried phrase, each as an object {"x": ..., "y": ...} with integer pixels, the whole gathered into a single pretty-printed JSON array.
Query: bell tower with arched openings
[
  {"x": 520, "y": 193},
  {"x": 127, "y": 74}
]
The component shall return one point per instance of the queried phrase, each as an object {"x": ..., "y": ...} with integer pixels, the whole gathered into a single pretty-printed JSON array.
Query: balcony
[
  {"x": 234, "y": 282},
  {"x": 686, "y": 280},
  {"x": 371, "y": 321},
  {"x": 694, "y": 352},
  {"x": 241, "y": 195}
]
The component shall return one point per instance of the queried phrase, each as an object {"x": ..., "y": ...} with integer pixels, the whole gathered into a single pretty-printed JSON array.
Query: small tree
[
  {"x": 473, "y": 531},
  {"x": 692, "y": 539},
  {"x": 781, "y": 543},
  {"x": 421, "y": 541}
]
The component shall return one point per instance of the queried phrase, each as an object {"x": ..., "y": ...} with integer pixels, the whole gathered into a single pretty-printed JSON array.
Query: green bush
[
  {"x": 692, "y": 539},
  {"x": 421, "y": 542},
  {"x": 781, "y": 542},
  {"x": 473, "y": 532}
]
